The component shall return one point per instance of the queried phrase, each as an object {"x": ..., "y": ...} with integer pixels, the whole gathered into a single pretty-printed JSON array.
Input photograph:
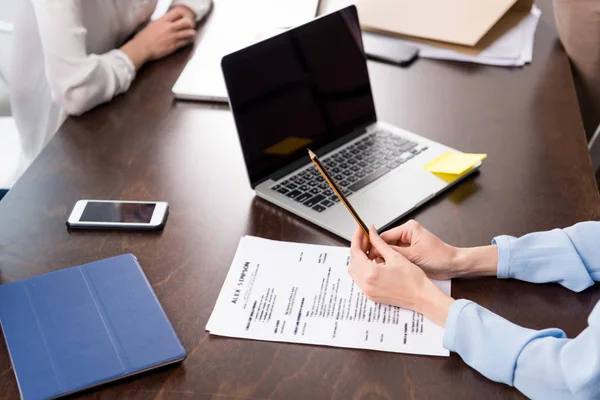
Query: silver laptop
[
  {"x": 309, "y": 87},
  {"x": 235, "y": 24}
]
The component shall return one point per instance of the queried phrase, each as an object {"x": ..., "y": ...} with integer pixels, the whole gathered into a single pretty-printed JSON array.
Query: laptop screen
[{"x": 303, "y": 88}]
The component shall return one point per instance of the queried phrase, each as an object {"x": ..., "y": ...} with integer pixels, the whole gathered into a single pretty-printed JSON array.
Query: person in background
[
  {"x": 578, "y": 26},
  {"x": 541, "y": 364},
  {"x": 72, "y": 55}
]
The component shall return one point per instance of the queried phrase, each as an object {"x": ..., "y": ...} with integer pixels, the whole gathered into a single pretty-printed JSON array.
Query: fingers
[
  {"x": 380, "y": 245},
  {"x": 182, "y": 24},
  {"x": 401, "y": 239},
  {"x": 357, "y": 246},
  {"x": 375, "y": 255},
  {"x": 359, "y": 263},
  {"x": 186, "y": 34},
  {"x": 174, "y": 14},
  {"x": 366, "y": 244},
  {"x": 181, "y": 43},
  {"x": 187, "y": 12}
]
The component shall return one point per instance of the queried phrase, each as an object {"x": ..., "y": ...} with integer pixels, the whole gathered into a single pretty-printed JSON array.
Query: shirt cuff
[
  {"x": 124, "y": 68},
  {"x": 503, "y": 244},
  {"x": 449, "y": 341}
]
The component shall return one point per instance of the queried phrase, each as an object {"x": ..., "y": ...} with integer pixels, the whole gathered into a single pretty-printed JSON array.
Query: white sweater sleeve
[
  {"x": 78, "y": 81},
  {"x": 200, "y": 7}
]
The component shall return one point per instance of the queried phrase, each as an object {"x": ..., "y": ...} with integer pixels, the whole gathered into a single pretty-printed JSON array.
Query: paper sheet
[
  {"x": 233, "y": 25},
  {"x": 302, "y": 293},
  {"x": 514, "y": 48}
]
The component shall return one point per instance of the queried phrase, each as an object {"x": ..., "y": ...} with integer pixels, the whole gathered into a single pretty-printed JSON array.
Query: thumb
[
  {"x": 404, "y": 234},
  {"x": 380, "y": 245}
]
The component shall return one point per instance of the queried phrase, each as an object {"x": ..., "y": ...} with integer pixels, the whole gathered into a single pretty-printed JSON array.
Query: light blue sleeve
[
  {"x": 568, "y": 256},
  {"x": 541, "y": 364}
]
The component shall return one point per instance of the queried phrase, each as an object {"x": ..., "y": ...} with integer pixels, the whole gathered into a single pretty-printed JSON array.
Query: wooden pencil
[{"x": 338, "y": 192}]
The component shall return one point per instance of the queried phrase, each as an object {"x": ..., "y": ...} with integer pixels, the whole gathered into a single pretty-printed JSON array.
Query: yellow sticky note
[
  {"x": 454, "y": 163},
  {"x": 450, "y": 166},
  {"x": 288, "y": 146}
]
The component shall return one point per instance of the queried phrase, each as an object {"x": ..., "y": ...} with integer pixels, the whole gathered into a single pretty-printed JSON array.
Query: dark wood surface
[{"x": 144, "y": 145}]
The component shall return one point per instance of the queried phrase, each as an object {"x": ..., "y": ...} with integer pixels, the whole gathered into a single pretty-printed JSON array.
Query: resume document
[{"x": 302, "y": 293}]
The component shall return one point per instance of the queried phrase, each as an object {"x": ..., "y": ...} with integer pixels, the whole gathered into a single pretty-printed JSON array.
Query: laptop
[
  {"x": 235, "y": 24},
  {"x": 309, "y": 87}
]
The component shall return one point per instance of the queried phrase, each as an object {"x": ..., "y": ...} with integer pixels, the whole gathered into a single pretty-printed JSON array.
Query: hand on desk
[{"x": 162, "y": 37}]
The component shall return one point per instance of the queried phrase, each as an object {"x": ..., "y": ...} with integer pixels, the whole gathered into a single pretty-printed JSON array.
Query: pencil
[{"x": 338, "y": 192}]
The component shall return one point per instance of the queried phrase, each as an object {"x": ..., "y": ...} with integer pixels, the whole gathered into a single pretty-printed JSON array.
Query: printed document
[{"x": 302, "y": 293}]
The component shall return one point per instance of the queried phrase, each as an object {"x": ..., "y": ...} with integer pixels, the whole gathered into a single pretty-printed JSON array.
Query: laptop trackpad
[{"x": 394, "y": 196}]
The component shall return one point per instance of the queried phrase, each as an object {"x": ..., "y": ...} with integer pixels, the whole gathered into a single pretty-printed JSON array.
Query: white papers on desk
[
  {"x": 302, "y": 293},
  {"x": 232, "y": 25},
  {"x": 202, "y": 78},
  {"x": 514, "y": 48}
]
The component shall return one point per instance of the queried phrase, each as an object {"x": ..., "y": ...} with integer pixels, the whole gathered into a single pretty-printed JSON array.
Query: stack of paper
[
  {"x": 509, "y": 47},
  {"x": 302, "y": 293},
  {"x": 514, "y": 48}
]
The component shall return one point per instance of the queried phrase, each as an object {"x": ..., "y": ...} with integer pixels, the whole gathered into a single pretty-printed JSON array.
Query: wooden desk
[{"x": 144, "y": 145}]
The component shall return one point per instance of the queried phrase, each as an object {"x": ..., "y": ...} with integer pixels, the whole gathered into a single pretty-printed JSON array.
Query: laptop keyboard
[{"x": 353, "y": 167}]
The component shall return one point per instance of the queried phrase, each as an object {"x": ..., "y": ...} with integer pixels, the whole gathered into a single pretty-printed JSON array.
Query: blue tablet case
[{"x": 80, "y": 327}]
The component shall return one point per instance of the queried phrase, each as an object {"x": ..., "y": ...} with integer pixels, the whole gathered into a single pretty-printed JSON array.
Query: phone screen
[{"x": 140, "y": 213}]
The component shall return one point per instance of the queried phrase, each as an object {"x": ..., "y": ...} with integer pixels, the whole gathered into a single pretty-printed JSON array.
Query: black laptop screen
[{"x": 303, "y": 88}]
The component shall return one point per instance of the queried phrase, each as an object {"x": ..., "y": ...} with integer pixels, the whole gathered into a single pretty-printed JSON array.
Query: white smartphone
[{"x": 118, "y": 214}]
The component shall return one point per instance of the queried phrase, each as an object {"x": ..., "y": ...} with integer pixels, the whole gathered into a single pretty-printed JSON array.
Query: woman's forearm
[
  {"x": 136, "y": 52},
  {"x": 434, "y": 304},
  {"x": 476, "y": 261}
]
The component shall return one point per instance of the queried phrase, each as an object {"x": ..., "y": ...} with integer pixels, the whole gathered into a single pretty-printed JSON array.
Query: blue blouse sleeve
[
  {"x": 568, "y": 256},
  {"x": 541, "y": 364}
]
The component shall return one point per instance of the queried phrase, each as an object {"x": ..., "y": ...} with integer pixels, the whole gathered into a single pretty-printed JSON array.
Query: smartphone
[
  {"x": 118, "y": 214},
  {"x": 388, "y": 49}
]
